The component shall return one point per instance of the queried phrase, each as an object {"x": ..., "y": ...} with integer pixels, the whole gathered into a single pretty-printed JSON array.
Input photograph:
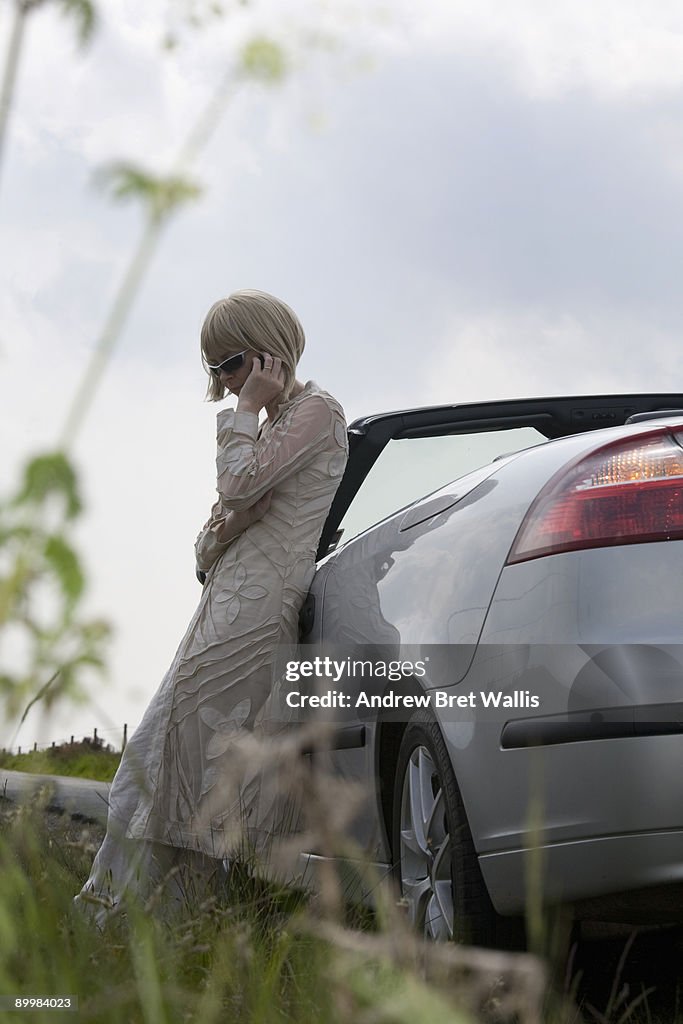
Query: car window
[{"x": 410, "y": 467}]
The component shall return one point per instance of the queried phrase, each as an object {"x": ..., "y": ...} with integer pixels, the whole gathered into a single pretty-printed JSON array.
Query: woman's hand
[{"x": 262, "y": 385}]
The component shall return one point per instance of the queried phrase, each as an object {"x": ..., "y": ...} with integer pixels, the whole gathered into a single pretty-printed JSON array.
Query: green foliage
[
  {"x": 82, "y": 760},
  {"x": 46, "y": 475},
  {"x": 41, "y": 584},
  {"x": 248, "y": 950},
  {"x": 243, "y": 950},
  {"x": 81, "y": 12},
  {"x": 192, "y": 14},
  {"x": 235, "y": 956},
  {"x": 84, "y": 16},
  {"x": 264, "y": 60},
  {"x": 162, "y": 196},
  {"x": 396, "y": 996},
  {"x": 66, "y": 567}
]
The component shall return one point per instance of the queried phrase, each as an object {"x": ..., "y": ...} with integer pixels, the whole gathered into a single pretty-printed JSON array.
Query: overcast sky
[{"x": 463, "y": 201}]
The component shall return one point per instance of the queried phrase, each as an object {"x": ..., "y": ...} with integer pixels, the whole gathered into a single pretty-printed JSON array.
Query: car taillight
[{"x": 627, "y": 492}]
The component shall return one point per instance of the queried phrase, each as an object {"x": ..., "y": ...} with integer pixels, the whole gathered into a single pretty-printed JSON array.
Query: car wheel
[{"x": 435, "y": 864}]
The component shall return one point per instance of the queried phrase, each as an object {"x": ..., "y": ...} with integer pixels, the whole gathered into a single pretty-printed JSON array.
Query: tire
[{"x": 435, "y": 863}]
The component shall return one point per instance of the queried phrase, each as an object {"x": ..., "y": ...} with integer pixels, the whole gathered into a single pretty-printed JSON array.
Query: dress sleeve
[
  {"x": 208, "y": 545},
  {"x": 247, "y": 466}
]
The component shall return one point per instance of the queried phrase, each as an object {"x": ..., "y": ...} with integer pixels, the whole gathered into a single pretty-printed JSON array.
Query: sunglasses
[
  {"x": 232, "y": 363},
  {"x": 228, "y": 366}
]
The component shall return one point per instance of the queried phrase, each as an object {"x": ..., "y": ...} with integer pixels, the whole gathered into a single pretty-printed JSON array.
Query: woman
[{"x": 169, "y": 805}]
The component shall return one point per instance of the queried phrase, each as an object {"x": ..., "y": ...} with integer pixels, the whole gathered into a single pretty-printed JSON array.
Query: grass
[
  {"x": 83, "y": 760},
  {"x": 233, "y": 958},
  {"x": 256, "y": 952},
  {"x": 251, "y": 952}
]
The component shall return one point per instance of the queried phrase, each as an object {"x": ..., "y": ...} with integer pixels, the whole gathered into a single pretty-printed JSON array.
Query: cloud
[
  {"x": 533, "y": 353},
  {"x": 611, "y": 49}
]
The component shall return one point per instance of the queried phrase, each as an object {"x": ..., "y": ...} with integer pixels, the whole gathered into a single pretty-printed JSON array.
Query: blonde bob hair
[{"x": 255, "y": 320}]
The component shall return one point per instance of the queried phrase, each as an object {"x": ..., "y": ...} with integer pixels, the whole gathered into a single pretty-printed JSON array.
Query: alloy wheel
[{"x": 425, "y": 857}]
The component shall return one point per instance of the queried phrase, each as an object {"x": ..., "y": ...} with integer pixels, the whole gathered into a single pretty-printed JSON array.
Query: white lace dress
[{"x": 168, "y": 797}]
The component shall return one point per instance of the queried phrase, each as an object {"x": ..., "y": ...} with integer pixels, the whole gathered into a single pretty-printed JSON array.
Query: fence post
[
  {"x": 125, "y": 736},
  {"x": 53, "y": 744},
  {"x": 35, "y": 747},
  {"x": 18, "y": 750},
  {"x": 94, "y": 737}
]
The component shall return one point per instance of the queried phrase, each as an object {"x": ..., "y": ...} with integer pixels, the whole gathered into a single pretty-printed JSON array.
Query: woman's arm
[
  {"x": 222, "y": 528},
  {"x": 245, "y": 470},
  {"x": 236, "y": 522}
]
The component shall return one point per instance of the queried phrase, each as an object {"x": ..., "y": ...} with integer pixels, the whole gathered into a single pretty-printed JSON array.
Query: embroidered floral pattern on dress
[
  {"x": 224, "y": 728},
  {"x": 231, "y": 595},
  {"x": 336, "y": 464},
  {"x": 340, "y": 434},
  {"x": 224, "y": 731}
]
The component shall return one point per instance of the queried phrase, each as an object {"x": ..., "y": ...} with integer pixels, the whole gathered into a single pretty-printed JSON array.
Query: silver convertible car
[{"x": 510, "y": 578}]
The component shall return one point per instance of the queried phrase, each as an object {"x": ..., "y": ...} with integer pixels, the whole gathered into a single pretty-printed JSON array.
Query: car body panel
[{"x": 596, "y": 631}]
